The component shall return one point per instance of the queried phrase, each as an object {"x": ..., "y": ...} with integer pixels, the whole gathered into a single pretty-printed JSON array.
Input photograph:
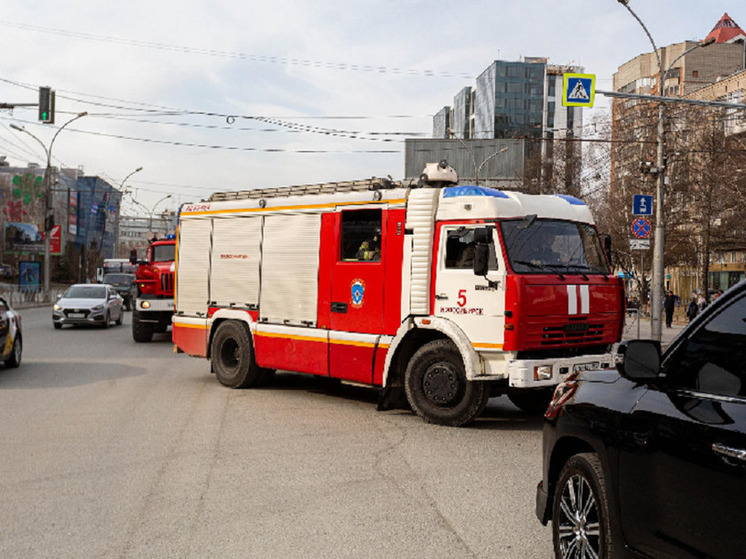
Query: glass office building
[
  {"x": 509, "y": 100},
  {"x": 512, "y": 100}
]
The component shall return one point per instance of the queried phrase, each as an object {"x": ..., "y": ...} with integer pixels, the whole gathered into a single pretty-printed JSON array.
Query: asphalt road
[{"x": 116, "y": 449}]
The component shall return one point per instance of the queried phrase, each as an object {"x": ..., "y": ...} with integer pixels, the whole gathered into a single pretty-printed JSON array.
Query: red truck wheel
[
  {"x": 233, "y": 357},
  {"x": 437, "y": 388}
]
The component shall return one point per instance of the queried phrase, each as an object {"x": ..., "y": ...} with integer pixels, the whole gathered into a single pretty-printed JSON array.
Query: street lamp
[
  {"x": 121, "y": 193},
  {"x": 48, "y": 210},
  {"x": 656, "y": 292},
  {"x": 477, "y": 168},
  {"x": 151, "y": 212}
]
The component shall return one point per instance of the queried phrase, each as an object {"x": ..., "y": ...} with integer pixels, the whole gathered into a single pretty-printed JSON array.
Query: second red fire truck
[
  {"x": 448, "y": 294},
  {"x": 154, "y": 278}
]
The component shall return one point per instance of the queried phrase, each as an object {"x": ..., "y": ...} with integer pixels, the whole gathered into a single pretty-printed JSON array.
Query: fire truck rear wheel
[
  {"x": 233, "y": 357},
  {"x": 437, "y": 388}
]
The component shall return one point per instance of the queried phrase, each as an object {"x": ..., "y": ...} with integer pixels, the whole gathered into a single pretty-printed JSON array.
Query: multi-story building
[
  {"x": 697, "y": 69},
  {"x": 713, "y": 72},
  {"x": 135, "y": 232},
  {"x": 521, "y": 101}
]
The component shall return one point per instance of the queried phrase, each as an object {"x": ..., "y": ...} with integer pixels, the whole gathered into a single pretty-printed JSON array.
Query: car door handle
[
  {"x": 441, "y": 296},
  {"x": 729, "y": 451}
]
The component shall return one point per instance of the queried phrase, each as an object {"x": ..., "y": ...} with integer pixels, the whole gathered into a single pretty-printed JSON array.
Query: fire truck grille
[
  {"x": 167, "y": 282},
  {"x": 560, "y": 332}
]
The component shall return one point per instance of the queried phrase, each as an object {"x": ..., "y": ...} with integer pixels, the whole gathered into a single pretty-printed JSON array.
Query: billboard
[
  {"x": 29, "y": 274},
  {"x": 23, "y": 237}
]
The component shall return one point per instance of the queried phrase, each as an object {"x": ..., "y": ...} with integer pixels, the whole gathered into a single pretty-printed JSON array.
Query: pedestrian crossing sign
[{"x": 579, "y": 90}]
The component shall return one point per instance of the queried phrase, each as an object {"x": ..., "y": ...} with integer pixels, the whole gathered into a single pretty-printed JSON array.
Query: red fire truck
[
  {"x": 154, "y": 278},
  {"x": 447, "y": 294}
]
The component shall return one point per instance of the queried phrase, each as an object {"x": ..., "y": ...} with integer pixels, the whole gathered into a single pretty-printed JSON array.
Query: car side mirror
[{"x": 639, "y": 360}]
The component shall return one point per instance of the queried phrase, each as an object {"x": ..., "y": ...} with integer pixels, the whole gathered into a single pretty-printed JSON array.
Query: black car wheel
[
  {"x": 437, "y": 388},
  {"x": 580, "y": 512}
]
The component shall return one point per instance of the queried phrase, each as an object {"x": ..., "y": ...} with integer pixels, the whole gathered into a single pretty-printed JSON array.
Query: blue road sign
[
  {"x": 641, "y": 228},
  {"x": 579, "y": 90},
  {"x": 642, "y": 204}
]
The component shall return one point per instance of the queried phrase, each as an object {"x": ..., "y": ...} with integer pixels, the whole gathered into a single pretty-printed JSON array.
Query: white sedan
[{"x": 85, "y": 303}]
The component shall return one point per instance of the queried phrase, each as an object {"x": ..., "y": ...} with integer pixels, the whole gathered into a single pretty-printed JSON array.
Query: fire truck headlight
[
  {"x": 543, "y": 372},
  {"x": 145, "y": 304}
]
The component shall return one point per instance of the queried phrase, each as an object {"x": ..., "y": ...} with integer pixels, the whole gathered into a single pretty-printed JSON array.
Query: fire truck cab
[
  {"x": 154, "y": 278},
  {"x": 449, "y": 295}
]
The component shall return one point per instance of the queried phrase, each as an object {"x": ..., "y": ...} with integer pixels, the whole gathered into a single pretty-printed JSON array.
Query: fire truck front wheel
[
  {"x": 437, "y": 388},
  {"x": 232, "y": 356}
]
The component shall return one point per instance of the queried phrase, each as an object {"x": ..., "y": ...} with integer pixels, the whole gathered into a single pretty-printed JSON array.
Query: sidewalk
[{"x": 639, "y": 328}]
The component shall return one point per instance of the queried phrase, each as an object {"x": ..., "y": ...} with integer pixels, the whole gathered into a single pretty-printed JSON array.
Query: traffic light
[{"x": 46, "y": 105}]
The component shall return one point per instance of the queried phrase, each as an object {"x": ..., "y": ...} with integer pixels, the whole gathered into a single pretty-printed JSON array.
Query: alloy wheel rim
[{"x": 579, "y": 526}]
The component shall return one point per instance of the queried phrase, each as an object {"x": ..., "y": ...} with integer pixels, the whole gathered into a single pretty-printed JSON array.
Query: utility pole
[
  {"x": 48, "y": 209},
  {"x": 658, "y": 271}
]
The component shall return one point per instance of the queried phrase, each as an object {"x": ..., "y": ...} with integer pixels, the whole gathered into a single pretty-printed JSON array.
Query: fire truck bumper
[
  {"x": 530, "y": 373},
  {"x": 154, "y": 305}
]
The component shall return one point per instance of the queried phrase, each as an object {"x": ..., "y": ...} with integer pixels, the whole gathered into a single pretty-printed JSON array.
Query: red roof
[{"x": 726, "y": 31}]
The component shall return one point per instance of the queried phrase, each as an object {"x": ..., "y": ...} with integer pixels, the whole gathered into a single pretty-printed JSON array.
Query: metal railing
[
  {"x": 19, "y": 297},
  {"x": 631, "y": 319}
]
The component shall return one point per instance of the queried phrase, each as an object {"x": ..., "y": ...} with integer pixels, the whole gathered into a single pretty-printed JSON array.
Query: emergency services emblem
[{"x": 357, "y": 291}]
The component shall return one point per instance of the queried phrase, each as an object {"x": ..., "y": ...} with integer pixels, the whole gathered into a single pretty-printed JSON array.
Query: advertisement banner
[
  {"x": 72, "y": 223},
  {"x": 23, "y": 237},
  {"x": 29, "y": 275},
  {"x": 55, "y": 240}
]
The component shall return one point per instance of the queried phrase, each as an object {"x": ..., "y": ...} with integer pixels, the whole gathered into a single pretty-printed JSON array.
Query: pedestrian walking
[
  {"x": 669, "y": 304},
  {"x": 692, "y": 310},
  {"x": 701, "y": 302}
]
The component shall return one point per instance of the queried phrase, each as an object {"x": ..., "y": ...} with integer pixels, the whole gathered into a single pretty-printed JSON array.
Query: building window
[{"x": 695, "y": 73}]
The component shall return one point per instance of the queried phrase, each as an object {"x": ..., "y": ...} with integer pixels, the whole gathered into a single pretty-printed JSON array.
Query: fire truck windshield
[
  {"x": 541, "y": 246},
  {"x": 164, "y": 253}
]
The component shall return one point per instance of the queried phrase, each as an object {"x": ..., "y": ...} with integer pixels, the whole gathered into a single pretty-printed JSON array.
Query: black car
[
  {"x": 125, "y": 285},
  {"x": 650, "y": 460}
]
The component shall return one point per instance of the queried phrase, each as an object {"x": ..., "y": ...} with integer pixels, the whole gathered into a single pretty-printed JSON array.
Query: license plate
[
  {"x": 76, "y": 315},
  {"x": 585, "y": 367}
]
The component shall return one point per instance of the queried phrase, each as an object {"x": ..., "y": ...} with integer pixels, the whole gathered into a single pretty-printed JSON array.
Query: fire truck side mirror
[
  {"x": 606, "y": 239},
  {"x": 482, "y": 241}
]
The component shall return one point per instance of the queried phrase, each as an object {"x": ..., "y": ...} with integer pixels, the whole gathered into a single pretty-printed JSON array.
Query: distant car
[
  {"x": 86, "y": 303},
  {"x": 125, "y": 285},
  {"x": 650, "y": 460},
  {"x": 11, "y": 340}
]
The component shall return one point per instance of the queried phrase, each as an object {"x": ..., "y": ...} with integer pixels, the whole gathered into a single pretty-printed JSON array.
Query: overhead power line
[{"x": 267, "y": 59}]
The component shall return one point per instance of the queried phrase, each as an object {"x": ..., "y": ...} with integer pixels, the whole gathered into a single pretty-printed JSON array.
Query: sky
[{"x": 231, "y": 95}]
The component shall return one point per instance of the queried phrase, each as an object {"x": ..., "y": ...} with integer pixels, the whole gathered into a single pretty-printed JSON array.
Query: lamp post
[
  {"x": 657, "y": 288},
  {"x": 48, "y": 210},
  {"x": 121, "y": 193},
  {"x": 477, "y": 168},
  {"x": 151, "y": 212}
]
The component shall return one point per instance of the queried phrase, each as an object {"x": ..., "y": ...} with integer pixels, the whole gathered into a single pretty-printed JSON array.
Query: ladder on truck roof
[{"x": 324, "y": 188}]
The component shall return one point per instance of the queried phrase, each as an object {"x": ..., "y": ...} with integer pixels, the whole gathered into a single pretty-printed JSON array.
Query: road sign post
[
  {"x": 642, "y": 204},
  {"x": 579, "y": 90},
  {"x": 641, "y": 228}
]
